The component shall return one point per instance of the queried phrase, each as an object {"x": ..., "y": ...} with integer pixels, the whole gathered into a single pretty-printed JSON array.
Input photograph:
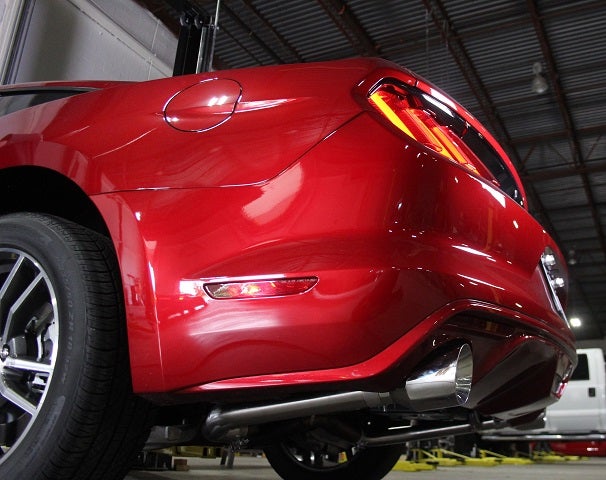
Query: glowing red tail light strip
[{"x": 405, "y": 110}]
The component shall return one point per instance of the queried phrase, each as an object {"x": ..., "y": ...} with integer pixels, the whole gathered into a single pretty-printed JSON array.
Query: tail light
[
  {"x": 428, "y": 121},
  {"x": 556, "y": 277}
]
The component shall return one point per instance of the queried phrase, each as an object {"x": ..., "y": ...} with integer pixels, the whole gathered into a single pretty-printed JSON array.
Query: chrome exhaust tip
[{"x": 443, "y": 383}]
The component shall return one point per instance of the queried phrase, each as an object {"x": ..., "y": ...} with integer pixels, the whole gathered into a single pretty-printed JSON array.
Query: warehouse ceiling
[{"x": 483, "y": 53}]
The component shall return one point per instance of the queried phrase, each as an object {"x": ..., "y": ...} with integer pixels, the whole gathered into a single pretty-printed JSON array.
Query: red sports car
[{"x": 323, "y": 260}]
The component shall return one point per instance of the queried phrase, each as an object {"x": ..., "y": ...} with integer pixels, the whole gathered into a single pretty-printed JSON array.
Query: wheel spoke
[
  {"x": 27, "y": 365},
  {"x": 16, "y": 399},
  {"x": 20, "y": 301},
  {"x": 10, "y": 278},
  {"x": 8, "y": 288}
]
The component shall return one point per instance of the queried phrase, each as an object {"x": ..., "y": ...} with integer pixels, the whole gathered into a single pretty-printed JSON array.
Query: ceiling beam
[
  {"x": 349, "y": 25},
  {"x": 554, "y": 173},
  {"x": 559, "y": 135},
  {"x": 270, "y": 28},
  {"x": 240, "y": 23}
]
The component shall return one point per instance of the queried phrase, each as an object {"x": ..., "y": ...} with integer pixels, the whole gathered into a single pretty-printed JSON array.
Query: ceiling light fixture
[
  {"x": 575, "y": 322},
  {"x": 539, "y": 84}
]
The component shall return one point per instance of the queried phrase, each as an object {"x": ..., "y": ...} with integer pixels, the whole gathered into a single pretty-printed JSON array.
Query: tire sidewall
[
  {"x": 31, "y": 235},
  {"x": 368, "y": 464}
]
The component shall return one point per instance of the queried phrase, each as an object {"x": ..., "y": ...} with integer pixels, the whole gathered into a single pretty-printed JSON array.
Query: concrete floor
[{"x": 259, "y": 469}]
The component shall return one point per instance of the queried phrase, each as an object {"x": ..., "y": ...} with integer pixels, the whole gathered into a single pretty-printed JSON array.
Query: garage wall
[
  {"x": 10, "y": 12},
  {"x": 93, "y": 39}
]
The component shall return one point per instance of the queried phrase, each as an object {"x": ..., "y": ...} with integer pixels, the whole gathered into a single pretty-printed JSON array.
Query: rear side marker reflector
[{"x": 260, "y": 288}]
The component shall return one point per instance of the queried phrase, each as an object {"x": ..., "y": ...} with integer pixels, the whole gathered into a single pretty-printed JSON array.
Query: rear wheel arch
[{"x": 41, "y": 190}]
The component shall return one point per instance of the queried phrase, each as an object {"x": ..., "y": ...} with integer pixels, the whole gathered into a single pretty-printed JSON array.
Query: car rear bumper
[{"x": 411, "y": 252}]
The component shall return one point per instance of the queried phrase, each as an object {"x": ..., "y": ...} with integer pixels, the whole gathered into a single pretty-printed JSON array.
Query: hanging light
[
  {"x": 539, "y": 85},
  {"x": 575, "y": 322}
]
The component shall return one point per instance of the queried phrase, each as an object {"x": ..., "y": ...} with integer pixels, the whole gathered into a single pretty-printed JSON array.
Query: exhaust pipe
[
  {"x": 413, "y": 435},
  {"x": 444, "y": 382},
  {"x": 234, "y": 423}
]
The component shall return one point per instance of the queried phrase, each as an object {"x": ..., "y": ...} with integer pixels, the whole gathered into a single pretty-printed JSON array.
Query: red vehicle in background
[
  {"x": 323, "y": 260},
  {"x": 590, "y": 448}
]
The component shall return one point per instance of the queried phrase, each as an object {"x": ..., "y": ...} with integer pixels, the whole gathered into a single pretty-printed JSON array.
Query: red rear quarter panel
[{"x": 118, "y": 140}]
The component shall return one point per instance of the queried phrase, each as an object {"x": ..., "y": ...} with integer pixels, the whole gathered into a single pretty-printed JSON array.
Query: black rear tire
[
  {"x": 299, "y": 460},
  {"x": 67, "y": 410}
]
